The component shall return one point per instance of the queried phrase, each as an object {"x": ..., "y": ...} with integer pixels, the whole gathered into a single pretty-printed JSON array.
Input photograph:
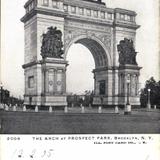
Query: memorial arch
[{"x": 92, "y": 24}]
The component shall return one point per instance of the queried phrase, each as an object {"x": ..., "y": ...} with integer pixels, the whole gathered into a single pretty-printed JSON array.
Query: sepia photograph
[{"x": 80, "y": 67}]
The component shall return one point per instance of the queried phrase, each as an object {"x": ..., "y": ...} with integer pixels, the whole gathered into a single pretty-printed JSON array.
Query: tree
[
  {"x": 88, "y": 97},
  {"x": 154, "y": 93}
]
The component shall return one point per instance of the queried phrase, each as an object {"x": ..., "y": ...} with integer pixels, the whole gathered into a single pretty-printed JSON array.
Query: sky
[{"x": 12, "y": 46}]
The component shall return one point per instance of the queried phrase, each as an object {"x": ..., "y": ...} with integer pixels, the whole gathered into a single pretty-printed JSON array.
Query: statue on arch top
[
  {"x": 127, "y": 53},
  {"x": 52, "y": 43}
]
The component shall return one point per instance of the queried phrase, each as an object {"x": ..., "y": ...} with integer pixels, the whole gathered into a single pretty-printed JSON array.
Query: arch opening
[
  {"x": 85, "y": 55},
  {"x": 79, "y": 71},
  {"x": 96, "y": 47},
  {"x": 97, "y": 51}
]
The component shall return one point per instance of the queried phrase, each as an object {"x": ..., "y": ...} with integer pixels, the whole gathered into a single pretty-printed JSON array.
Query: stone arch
[
  {"x": 99, "y": 32},
  {"x": 99, "y": 51}
]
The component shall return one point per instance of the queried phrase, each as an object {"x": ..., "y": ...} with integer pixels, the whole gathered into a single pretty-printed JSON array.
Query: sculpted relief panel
[{"x": 74, "y": 30}]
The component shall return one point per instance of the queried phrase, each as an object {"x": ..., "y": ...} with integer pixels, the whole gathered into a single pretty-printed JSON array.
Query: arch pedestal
[
  {"x": 129, "y": 73},
  {"x": 49, "y": 76},
  {"x": 53, "y": 82}
]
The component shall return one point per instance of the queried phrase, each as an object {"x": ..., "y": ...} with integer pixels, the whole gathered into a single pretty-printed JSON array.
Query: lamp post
[
  {"x": 101, "y": 98},
  {"x": 101, "y": 105},
  {"x": 149, "y": 96},
  {"x": 1, "y": 86},
  {"x": 1, "y": 103},
  {"x": 128, "y": 106},
  {"x": 82, "y": 105}
]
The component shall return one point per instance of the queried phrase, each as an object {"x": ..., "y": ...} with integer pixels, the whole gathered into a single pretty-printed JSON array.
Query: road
[{"x": 80, "y": 123}]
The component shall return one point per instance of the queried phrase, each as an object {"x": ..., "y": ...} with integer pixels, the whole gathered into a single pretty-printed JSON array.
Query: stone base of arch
[
  {"x": 49, "y": 83},
  {"x": 116, "y": 85},
  {"x": 115, "y": 101},
  {"x": 110, "y": 87}
]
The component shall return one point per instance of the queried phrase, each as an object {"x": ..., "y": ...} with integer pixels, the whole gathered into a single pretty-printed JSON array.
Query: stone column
[
  {"x": 133, "y": 86},
  {"x": 94, "y": 84},
  {"x": 120, "y": 84},
  {"x": 59, "y": 81},
  {"x": 110, "y": 82},
  {"x": 61, "y": 5},
  {"x": 69, "y": 9},
  {"x": 99, "y": 14},
  {"x": 51, "y": 81},
  {"x": 50, "y": 3},
  {"x": 55, "y": 81},
  {"x": 106, "y": 15},
  {"x": 47, "y": 81},
  {"x": 64, "y": 81},
  {"x": 115, "y": 80},
  {"x": 43, "y": 79}
]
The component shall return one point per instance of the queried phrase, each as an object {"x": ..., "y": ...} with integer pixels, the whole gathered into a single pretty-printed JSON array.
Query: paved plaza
[{"x": 75, "y": 122}]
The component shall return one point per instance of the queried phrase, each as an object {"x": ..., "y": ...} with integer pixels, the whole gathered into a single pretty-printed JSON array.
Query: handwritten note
[
  {"x": 71, "y": 147},
  {"x": 33, "y": 153}
]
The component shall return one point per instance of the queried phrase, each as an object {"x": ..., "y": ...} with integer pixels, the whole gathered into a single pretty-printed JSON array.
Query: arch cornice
[{"x": 88, "y": 37}]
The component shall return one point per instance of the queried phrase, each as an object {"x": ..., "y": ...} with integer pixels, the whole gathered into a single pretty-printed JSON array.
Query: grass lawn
[{"x": 79, "y": 123}]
